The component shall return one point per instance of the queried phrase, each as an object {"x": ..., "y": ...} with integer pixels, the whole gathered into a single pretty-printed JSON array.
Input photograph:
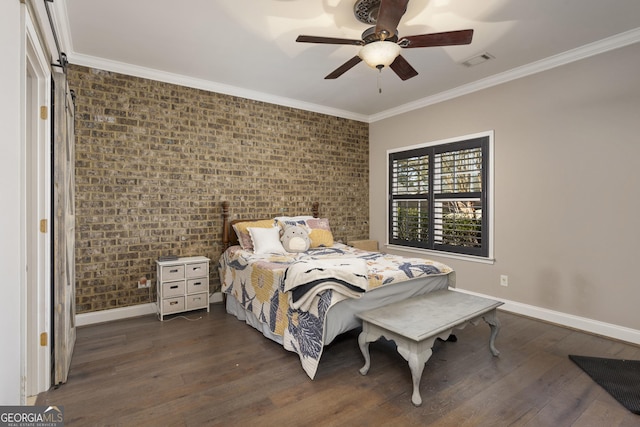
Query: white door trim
[{"x": 37, "y": 183}]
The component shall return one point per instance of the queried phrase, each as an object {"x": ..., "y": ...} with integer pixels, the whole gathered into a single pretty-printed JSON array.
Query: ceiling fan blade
[
  {"x": 402, "y": 68},
  {"x": 448, "y": 38},
  {"x": 389, "y": 15},
  {"x": 344, "y": 67},
  {"x": 328, "y": 40}
]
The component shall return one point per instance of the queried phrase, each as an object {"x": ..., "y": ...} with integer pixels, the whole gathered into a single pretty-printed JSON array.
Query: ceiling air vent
[{"x": 478, "y": 59}]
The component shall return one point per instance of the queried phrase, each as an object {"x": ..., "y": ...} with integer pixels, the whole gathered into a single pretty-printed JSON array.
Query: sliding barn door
[{"x": 64, "y": 271}]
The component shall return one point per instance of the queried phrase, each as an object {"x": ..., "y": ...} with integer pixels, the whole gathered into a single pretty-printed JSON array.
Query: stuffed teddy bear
[{"x": 295, "y": 239}]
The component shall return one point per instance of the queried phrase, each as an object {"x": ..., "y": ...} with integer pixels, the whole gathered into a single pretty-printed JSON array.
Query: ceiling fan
[{"x": 380, "y": 43}]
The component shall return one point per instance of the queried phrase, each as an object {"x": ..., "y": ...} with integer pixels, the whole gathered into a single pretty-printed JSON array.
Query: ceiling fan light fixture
[{"x": 379, "y": 54}]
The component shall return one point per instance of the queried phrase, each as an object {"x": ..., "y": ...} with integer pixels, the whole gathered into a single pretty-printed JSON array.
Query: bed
[{"x": 260, "y": 284}]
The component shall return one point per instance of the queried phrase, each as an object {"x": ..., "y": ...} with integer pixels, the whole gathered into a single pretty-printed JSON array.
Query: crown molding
[
  {"x": 178, "y": 79},
  {"x": 586, "y": 51},
  {"x": 605, "y": 45}
]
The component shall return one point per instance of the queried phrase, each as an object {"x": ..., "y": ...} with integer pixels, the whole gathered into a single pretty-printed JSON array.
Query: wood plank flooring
[{"x": 214, "y": 370}]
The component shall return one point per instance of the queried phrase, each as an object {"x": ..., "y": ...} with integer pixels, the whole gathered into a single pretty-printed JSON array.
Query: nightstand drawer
[
  {"x": 171, "y": 289},
  {"x": 173, "y": 305},
  {"x": 197, "y": 301},
  {"x": 198, "y": 285},
  {"x": 172, "y": 272},
  {"x": 198, "y": 269}
]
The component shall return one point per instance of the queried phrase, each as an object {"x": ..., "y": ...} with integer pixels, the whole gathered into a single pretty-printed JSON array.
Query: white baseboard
[
  {"x": 102, "y": 316},
  {"x": 115, "y": 314},
  {"x": 568, "y": 320},
  {"x": 563, "y": 319}
]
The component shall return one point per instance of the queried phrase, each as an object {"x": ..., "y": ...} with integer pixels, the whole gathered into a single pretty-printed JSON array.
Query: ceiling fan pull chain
[{"x": 379, "y": 80}]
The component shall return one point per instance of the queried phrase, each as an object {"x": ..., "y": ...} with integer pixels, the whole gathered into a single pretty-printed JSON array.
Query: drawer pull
[
  {"x": 197, "y": 299},
  {"x": 173, "y": 271},
  {"x": 173, "y": 302},
  {"x": 196, "y": 268},
  {"x": 197, "y": 284},
  {"x": 173, "y": 287}
]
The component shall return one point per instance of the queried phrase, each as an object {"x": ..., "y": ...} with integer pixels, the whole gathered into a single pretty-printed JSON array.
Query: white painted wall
[
  {"x": 11, "y": 177},
  {"x": 567, "y": 174}
]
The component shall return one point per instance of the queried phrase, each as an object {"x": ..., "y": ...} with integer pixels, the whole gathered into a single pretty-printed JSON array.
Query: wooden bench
[{"x": 414, "y": 325}]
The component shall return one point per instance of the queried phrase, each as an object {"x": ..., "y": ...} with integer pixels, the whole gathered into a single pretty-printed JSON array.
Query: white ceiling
[{"x": 247, "y": 47}]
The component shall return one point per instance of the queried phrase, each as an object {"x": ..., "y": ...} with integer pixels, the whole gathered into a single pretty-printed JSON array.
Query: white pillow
[{"x": 266, "y": 240}]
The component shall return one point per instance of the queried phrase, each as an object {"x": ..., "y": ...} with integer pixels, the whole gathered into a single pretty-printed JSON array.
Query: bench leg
[
  {"x": 416, "y": 354},
  {"x": 416, "y": 365},
  {"x": 494, "y": 323},
  {"x": 364, "y": 339}
]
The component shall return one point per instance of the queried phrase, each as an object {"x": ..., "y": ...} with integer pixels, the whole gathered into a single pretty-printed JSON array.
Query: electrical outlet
[{"x": 504, "y": 280}]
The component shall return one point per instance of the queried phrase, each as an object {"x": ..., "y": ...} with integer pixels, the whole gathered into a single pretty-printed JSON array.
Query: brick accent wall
[{"x": 155, "y": 160}]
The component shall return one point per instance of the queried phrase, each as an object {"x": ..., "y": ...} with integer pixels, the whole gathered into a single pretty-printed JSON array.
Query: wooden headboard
[{"x": 229, "y": 237}]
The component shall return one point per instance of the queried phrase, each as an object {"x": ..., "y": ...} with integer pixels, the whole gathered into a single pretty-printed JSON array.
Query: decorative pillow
[
  {"x": 292, "y": 220},
  {"x": 266, "y": 240},
  {"x": 320, "y": 232},
  {"x": 295, "y": 239},
  {"x": 244, "y": 239}
]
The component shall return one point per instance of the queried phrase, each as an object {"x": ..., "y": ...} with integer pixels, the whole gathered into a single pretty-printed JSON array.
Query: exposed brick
[{"x": 154, "y": 161}]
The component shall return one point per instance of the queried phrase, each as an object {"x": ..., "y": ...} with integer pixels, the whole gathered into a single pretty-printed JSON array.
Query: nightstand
[
  {"x": 182, "y": 285},
  {"x": 367, "y": 245}
]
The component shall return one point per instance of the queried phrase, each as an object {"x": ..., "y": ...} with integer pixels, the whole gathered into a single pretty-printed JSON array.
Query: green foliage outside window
[
  {"x": 411, "y": 225},
  {"x": 458, "y": 229},
  {"x": 461, "y": 229}
]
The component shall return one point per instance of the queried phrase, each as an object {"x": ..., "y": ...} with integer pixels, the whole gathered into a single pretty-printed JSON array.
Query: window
[{"x": 439, "y": 196}]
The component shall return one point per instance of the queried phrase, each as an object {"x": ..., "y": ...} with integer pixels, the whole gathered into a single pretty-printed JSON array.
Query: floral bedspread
[{"x": 257, "y": 283}]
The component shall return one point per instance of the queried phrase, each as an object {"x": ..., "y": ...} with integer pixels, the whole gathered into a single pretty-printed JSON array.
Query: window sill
[{"x": 441, "y": 254}]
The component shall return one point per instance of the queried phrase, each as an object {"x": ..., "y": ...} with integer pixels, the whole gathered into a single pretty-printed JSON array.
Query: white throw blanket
[{"x": 305, "y": 279}]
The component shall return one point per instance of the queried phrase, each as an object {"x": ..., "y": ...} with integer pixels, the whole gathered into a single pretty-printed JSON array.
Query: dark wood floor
[{"x": 216, "y": 370}]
